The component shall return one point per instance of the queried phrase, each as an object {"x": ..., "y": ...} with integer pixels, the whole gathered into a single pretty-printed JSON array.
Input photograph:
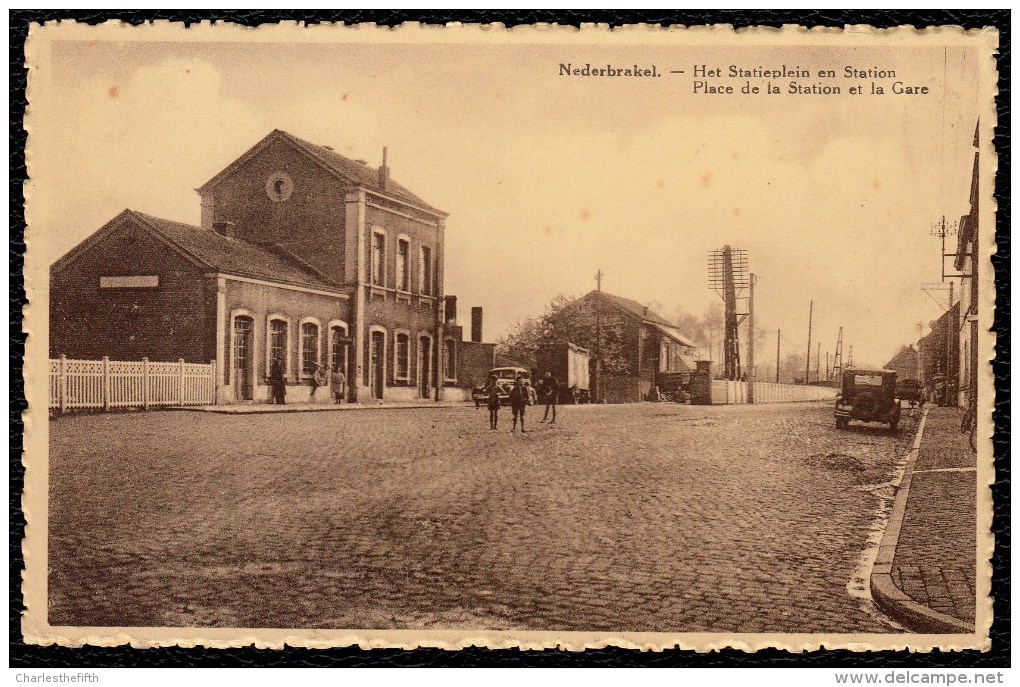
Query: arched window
[
  {"x": 338, "y": 344},
  {"x": 402, "y": 356},
  {"x": 450, "y": 360},
  {"x": 425, "y": 271},
  {"x": 278, "y": 344},
  {"x": 403, "y": 263},
  {"x": 378, "y": 257},
  {"x": 309, "y": 347}
]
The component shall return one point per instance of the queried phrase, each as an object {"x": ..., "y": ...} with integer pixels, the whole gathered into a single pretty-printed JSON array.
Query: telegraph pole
[
  {"x": 598, "y": 335},
  {"x": 810, "y": 317},
  {"x": 818, "y": 363},
  {"x": 779, "y": 333},
  {"x": 950, "y": 335},
  {"x": 750, "y": 338}
]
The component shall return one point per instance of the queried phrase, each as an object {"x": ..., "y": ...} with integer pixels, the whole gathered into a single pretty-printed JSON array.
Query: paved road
[{"x": 626, "y": 518}]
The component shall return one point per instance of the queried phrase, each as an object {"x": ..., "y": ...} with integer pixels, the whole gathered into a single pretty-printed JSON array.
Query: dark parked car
[
  {"x": 505, "y": 378},
  {"x": 868, "y": 396},
  {"x": 910, "y": 390}
]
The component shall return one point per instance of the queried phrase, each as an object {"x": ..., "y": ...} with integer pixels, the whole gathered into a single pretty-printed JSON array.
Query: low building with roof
[
  {"x": 905, "y": 363},
  {"x": 303, "y": 256},
  {"x": 640, "y": 349}
]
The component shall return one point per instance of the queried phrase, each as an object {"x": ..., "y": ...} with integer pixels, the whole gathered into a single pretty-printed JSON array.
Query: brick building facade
[
  {"x": 648, "y": 347},
  {"x": 966, "y": 262},
  {"x": 303, "y": 256}
]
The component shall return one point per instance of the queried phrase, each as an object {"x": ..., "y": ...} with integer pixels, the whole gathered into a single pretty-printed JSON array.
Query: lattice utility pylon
[
  {"x": 837, "y": 359},
  {"x": 728, "y": 275}
]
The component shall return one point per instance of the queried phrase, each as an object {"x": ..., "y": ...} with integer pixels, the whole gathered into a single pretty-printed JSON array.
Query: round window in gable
[{"x": 279, "y": 187}]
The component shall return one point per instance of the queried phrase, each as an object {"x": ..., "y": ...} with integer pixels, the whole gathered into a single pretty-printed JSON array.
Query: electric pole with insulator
[
  {"x": 598, "y": 335},
  {"x": 807, "y": 368},
  {"x": 750, "y": 337}
]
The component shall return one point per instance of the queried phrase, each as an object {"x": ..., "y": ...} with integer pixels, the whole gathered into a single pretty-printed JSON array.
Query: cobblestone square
[{"x": 645, "y": 517}]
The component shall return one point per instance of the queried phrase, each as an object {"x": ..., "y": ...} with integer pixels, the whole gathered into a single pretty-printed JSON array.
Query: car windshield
[
  {"x": 506, "y": 374},
  {"x": 867, "y": 380}
]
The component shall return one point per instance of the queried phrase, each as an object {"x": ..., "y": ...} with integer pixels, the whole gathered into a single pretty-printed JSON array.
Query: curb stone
[
  {"x": 887, "y": 595},
  {"x": 271, "y": 409}
]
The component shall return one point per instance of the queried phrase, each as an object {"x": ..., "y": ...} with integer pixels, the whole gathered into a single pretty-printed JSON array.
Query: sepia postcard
[{"x": 450, "y": 336}]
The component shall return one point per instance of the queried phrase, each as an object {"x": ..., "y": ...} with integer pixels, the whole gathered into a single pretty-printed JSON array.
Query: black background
[{"x": 22, "y": 655}]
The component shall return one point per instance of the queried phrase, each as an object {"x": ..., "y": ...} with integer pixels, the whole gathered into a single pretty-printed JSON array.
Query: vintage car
[
  {"x": 910, "y": 390},
  {"x": 868, "y": 396},
  {"x": 504, "y": 378}
]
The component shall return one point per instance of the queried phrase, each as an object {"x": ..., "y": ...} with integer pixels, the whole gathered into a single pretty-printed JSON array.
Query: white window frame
[
  {"x": 377, "y": 231},
  {"x": 336, "y": 324},
  {"x": 234, "y": 314},
  {"x": 397, "y": 333},
  {"x": 301, "y": 345},
  {"x": 269, "y": 343},
  {"x": 447, "y": 377},
  {"x": 406, "y": 288},
  {"x": 424, "y": 270},
  {"x": 385, "y": 354}
]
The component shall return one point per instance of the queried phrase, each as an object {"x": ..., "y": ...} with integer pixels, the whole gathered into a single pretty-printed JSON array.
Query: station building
[{"x": 303, "y": 256}]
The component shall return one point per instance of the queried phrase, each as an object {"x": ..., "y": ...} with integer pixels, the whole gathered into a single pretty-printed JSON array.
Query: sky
[{"x": 547, "y": 178}]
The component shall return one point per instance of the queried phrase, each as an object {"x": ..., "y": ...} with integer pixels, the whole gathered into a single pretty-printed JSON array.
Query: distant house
[
  {"x": 643, "y": 346},
  {"x": 303, "y": 258},
  {"x": 940, "y": 357},
  {"x": 904, "y": 363}
]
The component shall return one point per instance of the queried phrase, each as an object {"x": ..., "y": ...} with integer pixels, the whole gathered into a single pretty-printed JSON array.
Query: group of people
[
  {"x": 521, "y": 396},
  {"x": 336, "y": 380}
]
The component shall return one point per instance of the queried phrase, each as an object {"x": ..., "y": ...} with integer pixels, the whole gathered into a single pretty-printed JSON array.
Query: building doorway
[
  {"x": 338, "y": 353},
  {"x": 378, "y": 364},
  {"x": 243, "y": 358},
  {"x": 424, "y": 366}
]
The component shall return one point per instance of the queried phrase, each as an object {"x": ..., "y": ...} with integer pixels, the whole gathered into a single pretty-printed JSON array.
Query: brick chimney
[
  {"x": 476, "y": 324},
  {"x": 225, "y": 229},
  {"x": 384, "y": 171},
  {"x": 450, "y": 306}
]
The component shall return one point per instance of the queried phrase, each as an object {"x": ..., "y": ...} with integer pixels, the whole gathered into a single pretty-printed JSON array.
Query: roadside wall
[{"x": 726, "y": 392}]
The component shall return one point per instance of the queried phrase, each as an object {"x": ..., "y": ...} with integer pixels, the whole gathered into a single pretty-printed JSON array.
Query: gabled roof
[
  {"x": 645, "y": 315},
  {"x": 344, "y": 168},
  {"x": 214, "y": 252},
  {"x": 674, "y": 333}
]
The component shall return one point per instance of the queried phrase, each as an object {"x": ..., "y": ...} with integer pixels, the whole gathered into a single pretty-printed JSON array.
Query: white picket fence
[
  {"x": 727, "y": 392},
  {"x": 109, "y": 384}
]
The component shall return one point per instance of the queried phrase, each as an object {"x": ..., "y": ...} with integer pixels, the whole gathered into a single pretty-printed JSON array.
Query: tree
[
  {"x": 518, "y": 348},
  {"x": 568, "y": 320}
]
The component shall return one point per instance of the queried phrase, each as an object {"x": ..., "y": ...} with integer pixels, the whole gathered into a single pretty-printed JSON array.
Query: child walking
[
  {"x": 493, "y": 404},
  {"x": 518, "y": 403}
]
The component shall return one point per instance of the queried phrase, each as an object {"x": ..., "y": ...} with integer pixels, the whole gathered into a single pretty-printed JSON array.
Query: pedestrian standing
[
  {"x": 518, "y": 402},
  {"x": 319, "y": 378},
  {"x": 277, "y": 384},
  {"x": 551, "y": 389},
  {"x": 493, "y": 404},
  {"x": 338, "y": 384}
]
